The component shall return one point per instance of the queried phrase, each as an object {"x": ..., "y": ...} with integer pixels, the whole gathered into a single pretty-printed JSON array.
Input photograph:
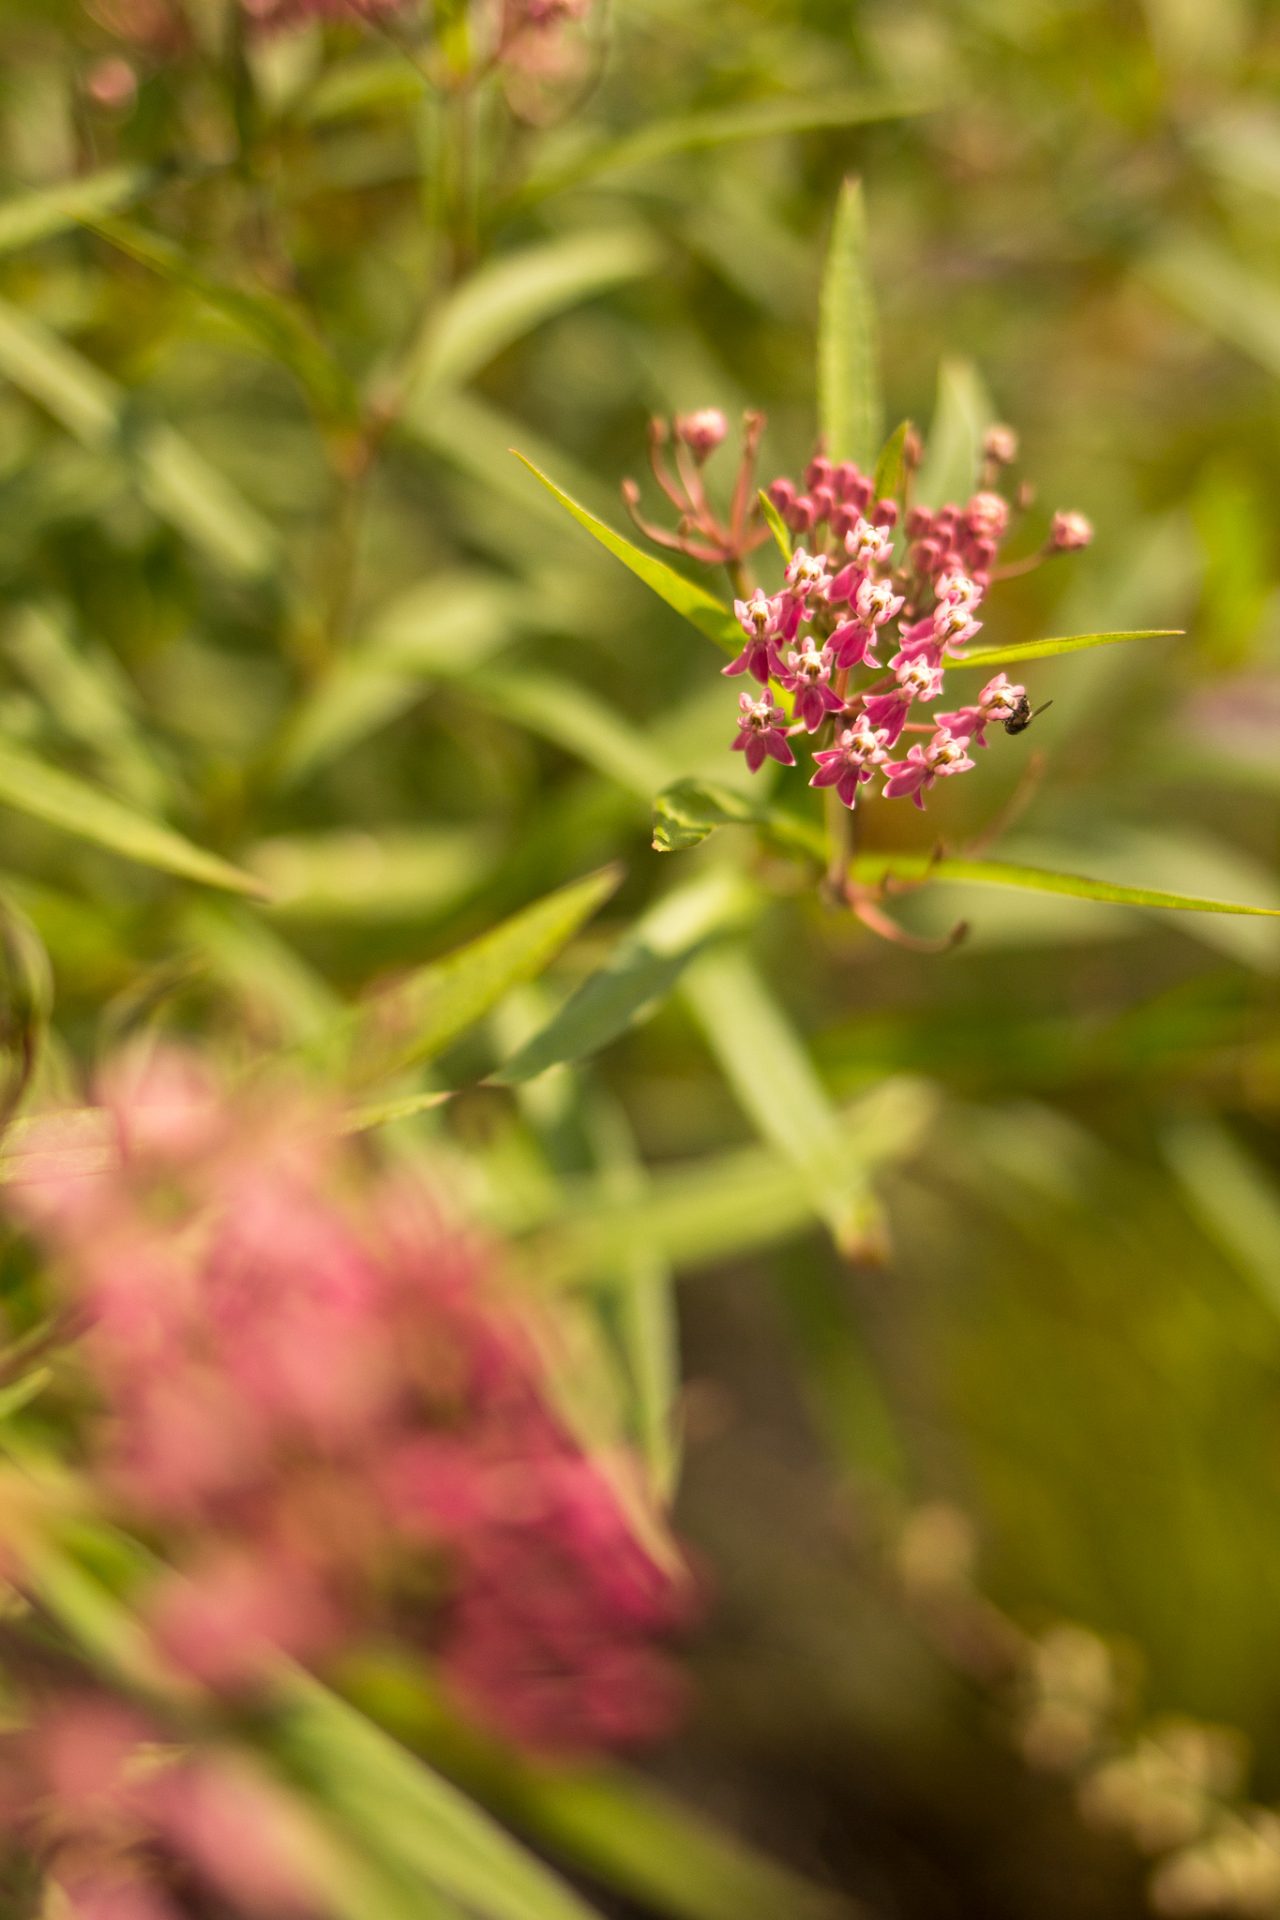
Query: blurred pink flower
[{"x": 310, "y": 1376}]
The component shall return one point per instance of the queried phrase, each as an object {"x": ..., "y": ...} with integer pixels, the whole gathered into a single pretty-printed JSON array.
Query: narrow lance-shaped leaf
[
  {"x": 640, "y": 974},
  {"x": 41, "y": 213},
  {"x": 776, "y": 1085},
  {"x": 176, "y": 481},
  {"x": 418, "y": 1018},
  {"x": 718, "y": 126},
  {"x": 687, "y": 812},
  {"x": 776, "y": 525},
  {"x": 692, "y": 602},
  {"x": 518, "y": 292},
  {"x": 891, "y": 467},
  {"x": 848, "y": 362},
  {"x": 953, "y": 450},
  {"x": 64, "y": 801},
  {"x": 1020, "y": 650}
]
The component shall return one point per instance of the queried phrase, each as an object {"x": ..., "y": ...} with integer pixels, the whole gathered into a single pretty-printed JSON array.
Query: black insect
[{"x": 1022, "y": 716}]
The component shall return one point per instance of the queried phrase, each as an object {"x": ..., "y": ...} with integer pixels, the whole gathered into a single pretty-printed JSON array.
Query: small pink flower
[
  {"x": 869, "y": 545},
  {"x": 702, "y": 432},
  {"x": 807, "y": 572},
  {"x": 808, "y": 676},
  {"x": 999, "y": 702},
  {"x": 1069, "y": 532},
  {"x": 944, "y": 754},
  {"x": 918, "y": 676},
  {"x": 858, "y": 751},
  {"x": 876, "y": 602},
  {"x": 760, "y": 732},
  {"x": 958, "y": 589},
  {"x": 761, "y": 619},
  {"x": 1001, "y": 445},
  {"x": 953, "y": 624}
]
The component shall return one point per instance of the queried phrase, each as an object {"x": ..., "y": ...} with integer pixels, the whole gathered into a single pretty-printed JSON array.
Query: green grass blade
[
  {"x": 418, "y": 1018},
  {"x": 1067, "y": 643},
  {"x": 692, "y": 602},
  {"x": 62, "y": 800},
  {"x": 849, "y": 407}
]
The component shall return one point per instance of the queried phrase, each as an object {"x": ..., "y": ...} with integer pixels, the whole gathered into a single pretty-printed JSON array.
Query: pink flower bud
[
  {"x": 1069, "y": 532},
  {"x": 702, "y": 432}
]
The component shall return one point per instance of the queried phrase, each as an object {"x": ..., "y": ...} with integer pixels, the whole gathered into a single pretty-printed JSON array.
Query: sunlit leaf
[
  {"x": 694, "y": 603},
  {"x": 891, "y": 467},
  {"x": 849, "y": 408},
  {"x": 999, "y": 873},
  {"x": 518, "y": 292},
  {"x": 776, "y": 524},
  {"x": 419, "y": 1017},
  {"x": 64, "y": 801},
  {"x": 1232, "y": 300},
  {"x": 953, "y": 449},
  {"x": 1069, "y": 643},
  {"x": 1234, "y": 1196},
  {"x": 775, "y": 1083},
  {"x": 685, "y": 813},
  {"x": 718, "y": 126},
  {"x": 408, "y": 1817},
  {"x": 640, "y": 975}
]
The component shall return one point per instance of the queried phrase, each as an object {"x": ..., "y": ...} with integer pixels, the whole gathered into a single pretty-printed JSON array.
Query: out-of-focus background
[{"x": 991, "y": 1529}]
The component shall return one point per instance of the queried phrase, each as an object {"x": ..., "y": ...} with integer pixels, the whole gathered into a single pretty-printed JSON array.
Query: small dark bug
[{"x": 1022, "y": 716}]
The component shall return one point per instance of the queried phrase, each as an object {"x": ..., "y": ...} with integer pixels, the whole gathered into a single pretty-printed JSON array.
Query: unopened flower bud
[
  {"x": 702, "y": 432},
  {"x": 1069, "y": 532},
  {"x": 1001, "y": 445}
]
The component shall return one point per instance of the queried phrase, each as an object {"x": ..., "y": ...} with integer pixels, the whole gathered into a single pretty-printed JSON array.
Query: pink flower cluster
[
  {"x": 874, "y": 606},
  {"x": 318, "y": 1402},
  {"x": 126, "y": 1824}
]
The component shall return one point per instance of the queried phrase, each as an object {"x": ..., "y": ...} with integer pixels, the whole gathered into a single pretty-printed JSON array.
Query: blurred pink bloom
[
  {"x": 1069, "y": 532},
  {"x": 310, "y": 1377},
  {"x": 702, "y": 432}
]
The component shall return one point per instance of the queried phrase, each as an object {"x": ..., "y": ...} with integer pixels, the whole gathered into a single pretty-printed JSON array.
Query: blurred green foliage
[{"x": 272, "y": 581}]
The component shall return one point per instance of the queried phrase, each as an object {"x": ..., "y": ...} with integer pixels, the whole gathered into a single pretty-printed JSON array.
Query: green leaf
[
  {"x": 953, "y": 451},
  {"x": 776, "y": 524},
  {"x": 718, "y": 126},
  {"x": 572, "y": 717},
  {"x": 891, "y": 467},
  {"x": 176, "y": 481},
  {"x": 61, "y": 800},
  {"x": 849, "y": 408},
  {"x": 692, "y": 602},
  {"x": 41, "y": 213},
  {"x": 702, "y": 1213},
  {"x": 999, "y": 873},
  {"x": 519, "y": 292},
  {"x": 1070, "y": 643},
  {"x": 685, "y": 813},
  {"x": 640, "y": 975},
  {"x": 398, "y": 874},
  {"x": 630, "y": 1834},
  {"x": 776, "y": 1085},
  {"x": 415, "y": 1020},
  {"x": 410, "y": 1819},
  {"x": 1233, "y": 1196}
]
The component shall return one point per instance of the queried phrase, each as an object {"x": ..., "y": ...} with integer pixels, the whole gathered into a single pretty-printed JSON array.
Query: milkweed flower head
[
  {"x": 880, "y": 598},
  {"x": 320, "y": 1398}
]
